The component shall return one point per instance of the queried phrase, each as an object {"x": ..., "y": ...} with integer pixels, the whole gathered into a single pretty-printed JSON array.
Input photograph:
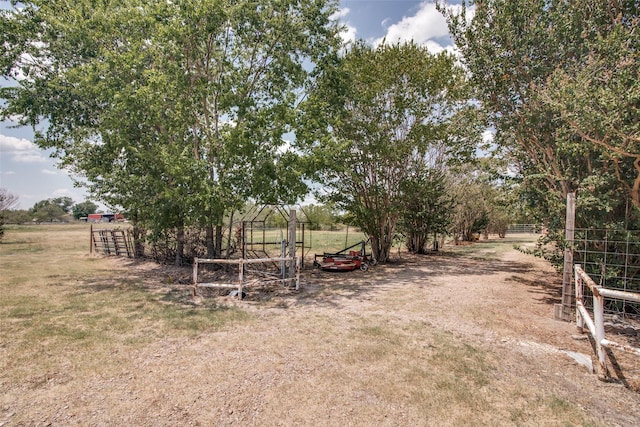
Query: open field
[
  {"x": 315, "y": 242},
  {"x": 465, "y": 337}
]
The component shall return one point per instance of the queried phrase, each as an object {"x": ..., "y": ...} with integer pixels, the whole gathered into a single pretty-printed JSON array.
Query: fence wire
[
  {"x": 612, "y": 259},
  {"x": 524, "y": 228}
]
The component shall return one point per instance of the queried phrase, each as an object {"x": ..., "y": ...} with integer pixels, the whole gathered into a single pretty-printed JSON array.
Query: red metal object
[
  {"x": 345, "y": 261},
  {"x": 338, "y": 264}
]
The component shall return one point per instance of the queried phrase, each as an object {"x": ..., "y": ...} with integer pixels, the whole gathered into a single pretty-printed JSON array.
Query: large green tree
[
  {"x": 83, "y": 209},
  {"x": 598, "y": 95},
  {"x": 47, "y": 211},
  {"x": 553, "y": 77},
  {"x": 374, "y": 117},
  {"x": 174, "y": 111},
  {"x": 319, "y": 217},
  {"x": 7, "y": 201},
  {"x": 427, "y": 209}
]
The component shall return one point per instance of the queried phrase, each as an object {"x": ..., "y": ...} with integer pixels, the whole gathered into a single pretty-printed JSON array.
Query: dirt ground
[{"x": 324, "y": 355}]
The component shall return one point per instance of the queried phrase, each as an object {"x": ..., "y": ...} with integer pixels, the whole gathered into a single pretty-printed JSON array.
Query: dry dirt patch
[{"x": 462, "y": 338}]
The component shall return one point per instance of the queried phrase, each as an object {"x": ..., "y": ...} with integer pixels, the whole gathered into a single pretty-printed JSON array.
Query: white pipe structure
[
  {"x": 241, "y": 280},
  {"x": 596, "y": 326}
]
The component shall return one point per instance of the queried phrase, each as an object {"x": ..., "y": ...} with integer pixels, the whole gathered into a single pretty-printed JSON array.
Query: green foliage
[
  {"x": 471, "y": 212},
  {"x": 598, "y": 93},
  {"x": 173, "y": 111},
  {"x": 376, "y": 118},
  {"x": 17, "y": 216},
  {"x": 559, "y": 82},
  {"x": 484, "y": 201},
  {"x": 47, "y": 211},
  {"x": 7, "y": 201},
  {"x": 65, "y": 203},
  {"x": 320, "y": 217},
  {"x": 427, "y": 209},
  {"x": 84, "y": 209}
]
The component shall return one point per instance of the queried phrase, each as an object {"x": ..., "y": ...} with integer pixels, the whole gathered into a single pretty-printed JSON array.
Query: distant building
[{"x": 105, "y": 217}]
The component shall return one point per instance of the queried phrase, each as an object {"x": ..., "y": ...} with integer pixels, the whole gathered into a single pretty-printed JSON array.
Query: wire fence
[
  {"x": 612, "y": 259},
  {"x": 524, "y": 228}
]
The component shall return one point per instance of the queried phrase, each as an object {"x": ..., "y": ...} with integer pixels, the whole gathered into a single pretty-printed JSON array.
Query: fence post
[
  {"x": 292, "y": 243},
  {"x": 195, "y": 276},
  {"x": 598, "y": 318},
  {"x": 298, "y": 266},
  {"x": 578, "y": 284},
  {"x": 283, "y": 263},
  {"x": 567, "y": 295},
  {"x": 240, "y": 277}
]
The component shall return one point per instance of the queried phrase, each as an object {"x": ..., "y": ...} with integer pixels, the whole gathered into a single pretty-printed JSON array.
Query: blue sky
[{"x": 32, "y": 175}]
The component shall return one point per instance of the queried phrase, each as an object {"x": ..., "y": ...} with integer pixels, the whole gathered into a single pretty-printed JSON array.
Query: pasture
[{"x": 465, "y": 337}]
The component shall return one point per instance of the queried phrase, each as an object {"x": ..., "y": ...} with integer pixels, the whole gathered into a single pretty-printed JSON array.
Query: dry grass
[
  {"x": 63, "y": 307},
  {"x": 90, "y": 340}
]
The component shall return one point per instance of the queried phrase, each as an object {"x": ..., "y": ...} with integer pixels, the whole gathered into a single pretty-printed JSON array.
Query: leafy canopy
[
  {"x": 374, "y": 120},
  {"x": 558, "y": 81},
  {"x": 174, "y": 111}
]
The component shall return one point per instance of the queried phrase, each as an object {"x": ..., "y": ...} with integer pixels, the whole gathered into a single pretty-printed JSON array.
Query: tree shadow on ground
[
  {"x": 548, "y": 287},
  {"x": 326, "y": 288},
  {"x": 322, "y": 288}
]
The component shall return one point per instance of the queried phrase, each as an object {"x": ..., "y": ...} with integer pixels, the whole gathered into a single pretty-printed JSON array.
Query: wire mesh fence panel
[{"x": 612, "y": 259}]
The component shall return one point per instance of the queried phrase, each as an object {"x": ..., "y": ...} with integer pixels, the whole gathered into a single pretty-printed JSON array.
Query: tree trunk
[
  {"x": 138, "y": 237},
  {"x": 422, "y": 243},
  {"x": 417, "y": 243},
  {"x": 218, "y": 247},
  {"x": 209, "y": 241},
  {"x": 179, "y": 246},
  {"x": 382, "y": 238},
  {"x": 381, "y": 249},
  {"x": 228, "y": 254}
]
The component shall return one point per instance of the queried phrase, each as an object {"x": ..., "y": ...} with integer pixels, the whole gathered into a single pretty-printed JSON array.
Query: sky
[{"x": 31, "y": 174}]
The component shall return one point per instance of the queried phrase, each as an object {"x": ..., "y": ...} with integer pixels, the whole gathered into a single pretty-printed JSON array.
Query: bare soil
[{"x": 359, "y": 348}]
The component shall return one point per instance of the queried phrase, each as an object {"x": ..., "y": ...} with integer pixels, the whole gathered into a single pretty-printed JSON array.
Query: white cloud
[
  {"x": 427, "y": 24},
  {"x": 8, "y": 173},
  {"x": 435, "y": 47},
  {"x": 49, "y": 172},
  {"x": 10, "y": 144},
  {"x": 340, "y": 13},
  {"x": 348, "y": 34},
  {"x": 488, "y": 136},
  {"x": 21, "y": 150},
  {"x": 285, "y": 147}
]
